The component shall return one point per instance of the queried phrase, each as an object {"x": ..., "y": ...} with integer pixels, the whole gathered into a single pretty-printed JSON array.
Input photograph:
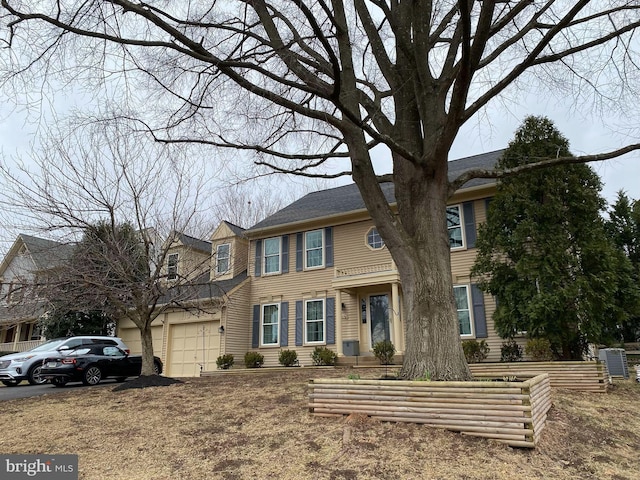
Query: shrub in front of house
[
  {"x": 287, "y": 358},
  {"x": 510, "y": 352},
  {"x": 539, "y": 349},
  {"x": 475, "y": 351},
  {"x": 384, "y": 351},
  {"x": 224, "y": 362},
  {"x": 253, "y": 360},
  {"x": 323, "y": 356}
]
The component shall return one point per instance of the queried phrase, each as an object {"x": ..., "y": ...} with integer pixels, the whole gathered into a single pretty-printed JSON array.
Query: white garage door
[
  {"x": 131, "y": 337},
  {"x": 190, "y": 345}
]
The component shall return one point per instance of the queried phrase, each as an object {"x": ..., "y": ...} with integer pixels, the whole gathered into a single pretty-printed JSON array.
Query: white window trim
[
  {"x": 322, "y": 249},
  {"x": 177, "y": 257},
  {"x": 264, "y": 257},
  {"x": 262, "y": 307},
  {"x": 462, "y": 231},
  {"x": 470, "y": 308},
  {"x": 324, "y": 321},
  {"x": 366, "y": 241},
  {"x": 228, "y": 258}
]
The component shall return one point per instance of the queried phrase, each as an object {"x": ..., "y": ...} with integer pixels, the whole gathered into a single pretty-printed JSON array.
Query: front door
[{"x": 379, "y": 318}]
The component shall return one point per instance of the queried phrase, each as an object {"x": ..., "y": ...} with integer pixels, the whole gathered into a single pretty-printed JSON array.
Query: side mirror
[{"x": 64, "y": 348}]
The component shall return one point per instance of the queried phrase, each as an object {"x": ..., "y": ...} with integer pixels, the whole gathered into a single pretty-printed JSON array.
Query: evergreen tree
[
  {"x": 67, "y": 323},
  {"x": 543, "y": 251},
  {"x": 623, "y": 226}
]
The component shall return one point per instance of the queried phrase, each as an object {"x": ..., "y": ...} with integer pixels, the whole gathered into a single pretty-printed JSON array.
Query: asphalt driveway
[{"x": 24, "y": 390}]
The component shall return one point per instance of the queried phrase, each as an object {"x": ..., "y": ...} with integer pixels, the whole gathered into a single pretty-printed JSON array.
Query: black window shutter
[
  {"x": 255, "y": 333},
  {"x": 284, "y": 324},
  {"x": 285, "y": 254},
  {"x": 469, "y": 224},
  {"x": 299, "y": 326},
  {"x": 258, "y": 270},
  {"x": 487, "y": 202},
  {"x": 328, "y": 247},
  {"x": 479, "y": 317},
  {"x": 299, "y": 249},
  {"x": 331, "y": 321}
]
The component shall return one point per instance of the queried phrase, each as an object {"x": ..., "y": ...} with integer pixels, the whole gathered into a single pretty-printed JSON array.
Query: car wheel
[
  {"x": 120, "y": 379},
  {"x": 10, "y": 383},
  {"x": 92, "y": 375},
  {"x": 59, "y": 382},
  {"x": 156, "y": 368},
  {"x": 34, "y": 376}
]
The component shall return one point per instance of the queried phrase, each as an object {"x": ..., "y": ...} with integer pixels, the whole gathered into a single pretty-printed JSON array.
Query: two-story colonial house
[
  {"x": 321, "y": 274},
  {"x": 315, "y": 273}
]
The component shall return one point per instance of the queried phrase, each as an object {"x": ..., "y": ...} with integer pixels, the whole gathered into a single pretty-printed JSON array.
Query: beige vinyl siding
[
  {"x": 191, "y": 263},
  {"x": 350, "y": 246},
  {"x": 239, "y": 251},
  {"x": 236, "y": 339}
]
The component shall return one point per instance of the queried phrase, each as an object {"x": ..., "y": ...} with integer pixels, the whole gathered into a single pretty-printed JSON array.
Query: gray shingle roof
[
  {"x": 239, "y": 231},
  {"x": 202, "y": 289},
  {"x": 194, "y": 242},
  {"x": 45, "y": 253},
  {"x": 347, "y": 198}
]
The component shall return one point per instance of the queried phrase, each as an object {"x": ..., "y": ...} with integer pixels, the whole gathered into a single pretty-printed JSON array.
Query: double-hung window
[
  {"x": 270, "y": 324},
  {"x": 314, "y": 321},
  {"x": 272, "y": 255},
  {"x": 222, "y": 258},
  {"x": 172, "y": 266},
  {"x": 461, "y": 294},
  {"x": 454, "y": 224},
  {"x": 314, "y": 247}
]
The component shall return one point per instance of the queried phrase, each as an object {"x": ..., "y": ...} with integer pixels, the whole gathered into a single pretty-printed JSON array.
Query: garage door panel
[
  {"x": 131, "y": 337},
  {"x": 193, "y": 344}
]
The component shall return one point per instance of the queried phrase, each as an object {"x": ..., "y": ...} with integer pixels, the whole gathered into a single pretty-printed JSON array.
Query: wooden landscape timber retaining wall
[
  {"x": 583, "y": 376},
  {"x": 511, "y": 412}
]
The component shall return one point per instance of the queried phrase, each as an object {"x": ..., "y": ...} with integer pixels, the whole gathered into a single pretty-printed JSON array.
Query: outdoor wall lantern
[{"x": 221, "y": 329}]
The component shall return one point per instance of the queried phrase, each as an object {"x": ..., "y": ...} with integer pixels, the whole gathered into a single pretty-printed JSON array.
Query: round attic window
[{"x": 374, "y": 240}]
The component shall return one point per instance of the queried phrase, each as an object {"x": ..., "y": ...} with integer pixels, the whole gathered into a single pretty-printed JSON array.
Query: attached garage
[{"x": 191, "y": 345}]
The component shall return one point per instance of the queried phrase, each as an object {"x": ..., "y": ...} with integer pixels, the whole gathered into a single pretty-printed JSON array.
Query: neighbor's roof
[
  {"x": 348, "y": 199},
  {"x": 45, "y": 254}
]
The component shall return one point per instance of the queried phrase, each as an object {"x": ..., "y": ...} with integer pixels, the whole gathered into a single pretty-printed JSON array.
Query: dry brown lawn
[{"x": 257, "y": 426}]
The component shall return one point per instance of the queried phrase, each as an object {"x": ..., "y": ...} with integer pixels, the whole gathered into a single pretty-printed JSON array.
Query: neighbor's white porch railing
[{"x": 20, "y": 346}]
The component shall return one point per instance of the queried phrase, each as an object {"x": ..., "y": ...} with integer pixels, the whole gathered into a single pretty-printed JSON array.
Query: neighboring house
[{"x": 28, "y": 259}]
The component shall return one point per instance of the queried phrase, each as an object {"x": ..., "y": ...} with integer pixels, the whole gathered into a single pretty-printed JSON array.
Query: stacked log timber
[
  {"x": 582, "y": 376},
  {"x": 511, "y": 412}
]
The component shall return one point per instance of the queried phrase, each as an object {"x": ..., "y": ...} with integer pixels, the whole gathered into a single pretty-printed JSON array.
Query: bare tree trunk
[
  {"x": 433, "y": 346},
  {"x": 147, "y": 350}
]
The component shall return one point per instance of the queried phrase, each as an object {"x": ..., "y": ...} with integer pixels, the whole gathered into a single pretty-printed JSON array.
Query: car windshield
[{"x": 50, "y": 345}]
